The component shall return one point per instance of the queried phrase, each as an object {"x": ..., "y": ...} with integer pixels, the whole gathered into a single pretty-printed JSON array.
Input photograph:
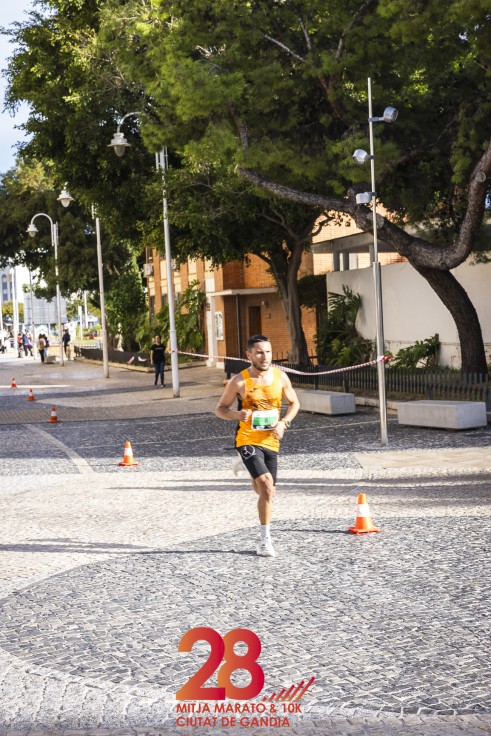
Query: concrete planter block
[
  {"x": 442, "y": 414},
  {"x": 326, "y": 402}
]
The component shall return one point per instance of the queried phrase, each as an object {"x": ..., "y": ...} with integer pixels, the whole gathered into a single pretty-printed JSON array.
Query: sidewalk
[
  {"x": 104, "y": 568},
  {"x": 81, "y": 394}
]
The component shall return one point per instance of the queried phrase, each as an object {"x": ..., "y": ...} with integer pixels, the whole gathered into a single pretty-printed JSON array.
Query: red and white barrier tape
[{"x": 379, "y": 359}]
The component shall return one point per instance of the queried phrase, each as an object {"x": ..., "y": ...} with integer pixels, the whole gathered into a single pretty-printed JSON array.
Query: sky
[{"x": 10, "y": 11}]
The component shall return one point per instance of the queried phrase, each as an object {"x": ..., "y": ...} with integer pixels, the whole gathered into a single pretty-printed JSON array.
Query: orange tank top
[{"x": 265, "y": 403}]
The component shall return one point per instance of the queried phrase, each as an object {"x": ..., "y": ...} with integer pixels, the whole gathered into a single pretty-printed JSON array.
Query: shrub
[
  {"x": 424, "y": 353},
  {"x": 338, "y": 341}
]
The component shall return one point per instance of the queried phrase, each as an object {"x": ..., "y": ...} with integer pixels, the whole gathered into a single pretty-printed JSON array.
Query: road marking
[{"x": 80, "y": 462}]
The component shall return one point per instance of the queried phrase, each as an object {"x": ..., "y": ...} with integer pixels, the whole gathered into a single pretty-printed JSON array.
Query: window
[{"x": 219, "y": 325}]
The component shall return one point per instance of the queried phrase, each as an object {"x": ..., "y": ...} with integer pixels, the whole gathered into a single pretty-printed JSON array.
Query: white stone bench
[
  {"x": 326, "y": 402},
  {"x": 52, "y": 359},
  {"x": 442, "y": 414}
]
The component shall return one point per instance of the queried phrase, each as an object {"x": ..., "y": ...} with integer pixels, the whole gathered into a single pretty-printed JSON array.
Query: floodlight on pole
[
  {"x": 389, "y": 116},
  {"x": 119, "y": 143},
  {"x": 364, "y": 198},
  {"x": 360, "y": 157}
]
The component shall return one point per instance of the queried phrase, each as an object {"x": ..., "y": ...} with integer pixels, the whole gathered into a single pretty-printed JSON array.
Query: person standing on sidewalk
[
  {"x": 157, "y": 359},
  {"x": 259, "y": 391}
]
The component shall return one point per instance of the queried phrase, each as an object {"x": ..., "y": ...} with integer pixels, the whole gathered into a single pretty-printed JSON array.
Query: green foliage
[
  {"x": 188, "y": 317},
  {"x": 30, "y": 191},
  {"x": 338, "y": 341},
  {"x": 277, "y": 87},
  {"x": 8, "y": 311},
  {"x": 126, "y": 304},
  {"x": 76, "y": 300},
  {"x": 146, "y": 331},
  {"x": 312, "y": 291},
  {"x": 423, "y": 354}
]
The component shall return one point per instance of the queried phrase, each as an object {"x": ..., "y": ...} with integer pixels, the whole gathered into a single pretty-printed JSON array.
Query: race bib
[{"x": 264, "y": 419}]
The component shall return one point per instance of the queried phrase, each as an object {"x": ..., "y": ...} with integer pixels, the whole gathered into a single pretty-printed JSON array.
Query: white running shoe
[
  {"x": 265, "y": 548},
  {"x": 238, "y": 467}
]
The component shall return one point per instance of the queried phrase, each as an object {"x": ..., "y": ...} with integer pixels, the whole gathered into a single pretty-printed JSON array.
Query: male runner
[{"x": 260, "y": 390}]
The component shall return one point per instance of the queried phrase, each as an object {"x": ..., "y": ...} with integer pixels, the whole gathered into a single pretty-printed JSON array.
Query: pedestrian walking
[
  {"x": 157, "y": 359},
  {"x": 66, "y": 341},
  {"x": 26, "y": 344},
  {"x": 259, "y": 391},
  {"x": 42, "y": 346}
]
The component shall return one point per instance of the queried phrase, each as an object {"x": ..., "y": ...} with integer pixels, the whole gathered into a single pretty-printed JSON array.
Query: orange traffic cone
[
  {"x": 31, "y": 396},
  {"x": 363, "y": 522},
  {"x": 128, "y": 458},
  {"x": 14, "y": 385},
  {"x": 53, "y": 417}
]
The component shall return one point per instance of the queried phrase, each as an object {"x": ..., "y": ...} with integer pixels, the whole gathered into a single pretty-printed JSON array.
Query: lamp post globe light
[
  {"x": 31, "y": 231},
  {"x": 360, "y": 157},
  {"x": 119, "y": 143}
]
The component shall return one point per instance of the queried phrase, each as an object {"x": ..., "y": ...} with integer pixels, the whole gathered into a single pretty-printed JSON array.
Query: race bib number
[{"x": 264, "y": 420}]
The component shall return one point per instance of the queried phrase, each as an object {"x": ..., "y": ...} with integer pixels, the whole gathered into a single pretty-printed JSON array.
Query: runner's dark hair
[{"x": 256, "y": 338}]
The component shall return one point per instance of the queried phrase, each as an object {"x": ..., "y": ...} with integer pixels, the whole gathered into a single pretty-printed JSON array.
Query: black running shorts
[{"x": 259, "y": 460}]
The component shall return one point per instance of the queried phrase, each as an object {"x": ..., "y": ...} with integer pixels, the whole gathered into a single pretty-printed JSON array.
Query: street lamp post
[
  {"x": 105, "y": 352},
  {"x": 119, "y": 143},
  {"x": 360, "y": 157},
  {"x": 15, "y": 307},
  {"x": 1, "y": 313},
  {"x": 32, "y": 230},
  {"x": 65, "y": 198},
  {"x": 33, "y": 326},
  {"x": 162, "y": 164}
]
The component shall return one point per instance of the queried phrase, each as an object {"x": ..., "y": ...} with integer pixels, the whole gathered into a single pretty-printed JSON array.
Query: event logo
[{"x": 272, "y": 711}]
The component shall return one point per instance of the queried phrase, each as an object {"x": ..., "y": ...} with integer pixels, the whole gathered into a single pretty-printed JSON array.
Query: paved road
[{"x": 103, "y": 568}]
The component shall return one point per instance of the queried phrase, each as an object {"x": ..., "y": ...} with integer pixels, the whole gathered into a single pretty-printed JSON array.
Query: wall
[{"x": 411, "y": 309}]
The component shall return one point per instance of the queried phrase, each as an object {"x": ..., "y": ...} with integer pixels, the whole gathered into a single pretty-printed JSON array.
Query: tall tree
[
  {"x": 278, "y": 89},
  {"x": 75, "y": 99},
  {"x": 221, "y": 218}
]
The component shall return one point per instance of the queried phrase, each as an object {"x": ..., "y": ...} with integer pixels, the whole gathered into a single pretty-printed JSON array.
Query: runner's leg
[{"x": 259, "y": 462}]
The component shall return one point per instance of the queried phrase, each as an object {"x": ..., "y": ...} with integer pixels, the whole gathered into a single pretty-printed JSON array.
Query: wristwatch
[{"x": 286, "y": 423}]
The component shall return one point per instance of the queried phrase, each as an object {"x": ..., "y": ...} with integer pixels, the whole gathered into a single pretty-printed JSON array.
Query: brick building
[{"x": 242, "y": 299}]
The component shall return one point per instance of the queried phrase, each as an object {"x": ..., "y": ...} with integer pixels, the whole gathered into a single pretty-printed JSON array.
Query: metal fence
[{"x": 403, "y": 383}]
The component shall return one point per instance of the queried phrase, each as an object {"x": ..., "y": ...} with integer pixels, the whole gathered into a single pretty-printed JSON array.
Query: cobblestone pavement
[{"x": 103, "y": 568}]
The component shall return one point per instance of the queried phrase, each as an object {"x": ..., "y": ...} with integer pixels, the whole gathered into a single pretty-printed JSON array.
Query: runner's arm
[
  {"x": 290, "y": 395},
  {"x": 292, "y": 411},
  {"x": 229, "y": 396}
]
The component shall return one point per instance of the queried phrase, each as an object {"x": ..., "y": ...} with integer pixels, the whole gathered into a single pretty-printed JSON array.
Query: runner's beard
[{"x": 261, "y": 367}]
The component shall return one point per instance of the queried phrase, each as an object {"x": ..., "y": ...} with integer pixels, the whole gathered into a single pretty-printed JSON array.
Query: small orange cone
[
  {"x": 363, "y": 522},
  {"x": 128, "y": 458},
  {"x": 14, "y": 385},
  {"x": 53, "y": 417},
  {"x": 31, "y": 396}
]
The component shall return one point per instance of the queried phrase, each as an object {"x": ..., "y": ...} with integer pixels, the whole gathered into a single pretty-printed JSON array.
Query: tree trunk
[
  {"x": 288, "y": 288},
  {"x": 455, "y": 298},
  {"x": 298, "y": 353}
]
